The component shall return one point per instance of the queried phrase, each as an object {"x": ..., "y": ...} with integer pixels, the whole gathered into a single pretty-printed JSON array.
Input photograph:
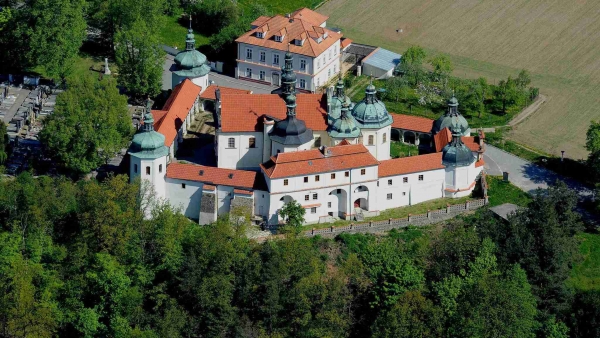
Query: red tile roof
[
  {"x": 209, "y": 93},
  {"x": 444, "y": 137},
  {"x": 313, "y": 17},
  {"x": 441, "y": 139},
  {"x": 412, "y": 164},
  {"x": 304, "y": 21},
  {"x": 177, "y": 109},
  {"x": 415, "y": 123},
  {"x": 244, "y": 112},
  {"x": 345, "y": 42},
  {"x": 214, "y": 176},
  {"x": 260, "y": 20},
  {"x": 313, "y": 161}
]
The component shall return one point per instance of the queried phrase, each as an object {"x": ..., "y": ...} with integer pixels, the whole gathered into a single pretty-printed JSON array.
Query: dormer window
[
  {"x": 319, "y": 39},
  {"x": 260, "y": 35},
  {"x": 325, "y": 35},
  {"x": 299, "y": 42},
  {"x": 278, "y": 38}
]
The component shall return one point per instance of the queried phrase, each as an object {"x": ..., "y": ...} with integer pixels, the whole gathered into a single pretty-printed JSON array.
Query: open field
[
  {"x": 586, "y": 275},
  {"x": 557, "y": 41}
]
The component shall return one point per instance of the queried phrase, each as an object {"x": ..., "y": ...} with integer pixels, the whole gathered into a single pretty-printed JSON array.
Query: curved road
[{"x": 526, "y": 175}]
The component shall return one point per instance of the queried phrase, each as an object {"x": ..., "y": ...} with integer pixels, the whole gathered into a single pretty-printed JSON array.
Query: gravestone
[{"x": 106, "y": 70}]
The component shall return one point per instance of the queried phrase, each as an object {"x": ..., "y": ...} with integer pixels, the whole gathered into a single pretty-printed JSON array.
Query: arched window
[
  {"x": 160, "y": 168},
  {"x": 231, "y": 142},
  {"x": 384, "y": 137},
  {"x": 147, "y": 170},
  {"x": 370, "y": 140}
]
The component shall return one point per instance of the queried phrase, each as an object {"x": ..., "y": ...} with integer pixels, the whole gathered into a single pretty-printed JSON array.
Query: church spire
[
  {"x": 190, "y": 41},
  {"x": 288, "y": 77},
  {"x": 340, "y": 87}
]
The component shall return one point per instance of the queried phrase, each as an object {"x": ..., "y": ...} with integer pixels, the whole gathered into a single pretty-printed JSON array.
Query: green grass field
[
  {"x": 399, "y": 149},
  {"x": 173, "y": 34},
  {"x": 500, "y": 192},
  {"x": 586, "y": 275},
  {"x": 556, "y": 41}
]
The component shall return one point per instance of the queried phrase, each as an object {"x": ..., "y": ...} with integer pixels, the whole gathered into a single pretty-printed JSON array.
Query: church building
[{"x": 322, "y": 150}]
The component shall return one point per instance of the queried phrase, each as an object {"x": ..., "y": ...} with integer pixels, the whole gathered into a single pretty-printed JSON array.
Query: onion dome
[
  {"x": 345, "y": 126},
  {"x": 337, "y": 101},
  {"x": 291, "y": 131},
  {"x": 456, "y": 153},
  {"x": 191, "y": 63},
  {"x": 148, "y": 143},
  {"x": 371, "y": 112},
  {"x": 446, "y": 120}
]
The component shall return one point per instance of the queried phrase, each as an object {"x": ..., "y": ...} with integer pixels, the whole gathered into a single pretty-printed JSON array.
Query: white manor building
[
  {"x": 316, "y": 50},
  {"x": 321, "y": 150}
]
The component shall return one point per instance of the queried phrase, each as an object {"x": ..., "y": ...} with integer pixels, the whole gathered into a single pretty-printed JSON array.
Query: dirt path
[{"x": 532, "y": 108}]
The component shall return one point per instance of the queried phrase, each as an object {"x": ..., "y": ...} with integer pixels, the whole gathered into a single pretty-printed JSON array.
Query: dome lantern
[
  {"x": 371, "y": 113},
  {"x": 456, "y": 153},
  {"x": 452, "y": 114}
]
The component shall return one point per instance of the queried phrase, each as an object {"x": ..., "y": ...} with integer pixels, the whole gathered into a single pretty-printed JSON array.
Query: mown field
[{"x": 558, "y": 41}]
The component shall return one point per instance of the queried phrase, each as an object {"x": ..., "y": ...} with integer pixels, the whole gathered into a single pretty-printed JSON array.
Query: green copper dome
[
  {"x": 370, "y": 112},
  {"x": 345, "y": 126},
  {"x": 148, "y": 143},
  {"x": 190, "y": 62},
  {"x": 451, "y": 116},
  {"x": 456, "y": 153},
  {"x": 338, "y": 99}
]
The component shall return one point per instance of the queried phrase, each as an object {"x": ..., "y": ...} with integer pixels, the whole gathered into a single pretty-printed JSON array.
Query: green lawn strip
[
  {"x": 500, "y": 192},
  {"x": 399, "y": 149},
  {"x": 401, "y": 212},
  {"x": 585, "y": 275},
  {"x": 280, "y": 6},
  {"x": 173, "y": 34}
]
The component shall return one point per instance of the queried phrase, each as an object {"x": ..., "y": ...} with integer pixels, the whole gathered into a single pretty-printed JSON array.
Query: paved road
[{"x": 524, "y": 174}]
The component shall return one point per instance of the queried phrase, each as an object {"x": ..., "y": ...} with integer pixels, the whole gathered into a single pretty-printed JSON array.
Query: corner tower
[
  {"x": 190, "y": 63},
  {"x": 375, "y": 122}
]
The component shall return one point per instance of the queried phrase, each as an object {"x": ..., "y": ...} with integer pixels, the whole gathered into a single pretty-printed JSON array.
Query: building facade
[
  {"x": 315, "y": 50},
  {"x": 327, "y": 153}
]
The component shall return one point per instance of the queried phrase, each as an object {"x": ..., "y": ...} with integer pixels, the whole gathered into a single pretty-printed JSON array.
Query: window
[
  {"x": 248, "y": 54},
  {"x": 315, "y": 196},
  {"x": 182, "y": 185},
  {"x": 330, "y": 53},
  {"x": 278, "y": 38},
  {"x": 420, "y": 177},
  {"x": 306, "y": 179},
  {"x": 363, "y": 171},
  {"x": 248, "y": 72},
  {"x": 252, "y": 142},
  {"x": 335, "y": 68},
  {"x": 303, "y": 64},
  {"x": 263, "y": 56},
  {"x": 384, "y": 137},
  {"x": 405, "y": 180},
  {"x": 135, "y": 168},
  {"x": 338, "y": 191},
  {"x": 286, "y": 182},
  {"x": 370, "y": 140},
  {"x": 333, "y": 176},
  {"x": 147, "y": 170},
  {"x": 160, "y": 168},
  {"x": 329, "y": 204},
  {"x": 389, "y": 182},
  {"x": 404, "y": 193},
  {"x": 259, "y": 35},
  {"x": 261, "y": 75},
  {"x": 317, "y": 178},
  {"x": 317, "y": 141},
  {"x": 347, "y": 174},
  {"x": 231, "y": 143},
  {"x": 329, "y": 73},
  {"x": 275, "y": 59},
  {"x": 306, "y": 197},
  {"x": 302, "y": 83},
  {"x": 389, "y": 196},
  {"x": 334, "y": 51},
  {"x": 313, "y": 210}
]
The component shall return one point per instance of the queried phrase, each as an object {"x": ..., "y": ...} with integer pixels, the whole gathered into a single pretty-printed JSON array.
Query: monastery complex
[{"x": 327, "y": 153}]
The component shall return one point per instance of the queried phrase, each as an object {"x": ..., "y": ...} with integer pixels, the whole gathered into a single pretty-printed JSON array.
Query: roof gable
[{"x": 246, "y": 112}]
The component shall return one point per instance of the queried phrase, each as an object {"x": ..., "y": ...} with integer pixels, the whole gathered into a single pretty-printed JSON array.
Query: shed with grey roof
[
  {"x": 380, "y": 63},
  {"x": 505, "y": 210}
]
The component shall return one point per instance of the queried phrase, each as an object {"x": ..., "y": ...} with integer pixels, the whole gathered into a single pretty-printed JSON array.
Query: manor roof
[
  {"x": 411, "y": 164},
  {"x": 414, "y": 123},
  {"x": 248, "y": 180},
  {"x": 175, "y": 111}
]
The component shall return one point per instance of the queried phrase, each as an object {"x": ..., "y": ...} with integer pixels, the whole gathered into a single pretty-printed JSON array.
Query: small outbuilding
[{"x": 380, "y": 63}]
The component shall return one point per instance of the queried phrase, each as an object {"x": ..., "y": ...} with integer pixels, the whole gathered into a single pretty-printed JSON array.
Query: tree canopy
[{"x": 90, "y": 124}]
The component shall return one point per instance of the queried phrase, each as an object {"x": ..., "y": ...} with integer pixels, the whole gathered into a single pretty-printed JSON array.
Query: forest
[{"x": 81, "y": 260}]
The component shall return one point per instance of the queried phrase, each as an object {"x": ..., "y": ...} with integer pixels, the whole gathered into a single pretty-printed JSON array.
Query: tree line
[
  {"x": 80, "y": 260},
  {"x": 428, "y": 81}
]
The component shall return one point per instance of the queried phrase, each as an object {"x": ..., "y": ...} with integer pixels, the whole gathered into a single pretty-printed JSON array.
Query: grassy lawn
[
  {"x": 281, "y": 6},
  {"x": 401, "y": 212},
  {"x": 399, "y": 149},
  {"x": 173, "y": 34},
  {"x": 500, "y": 192},
  {"x": 586, "y": 275},
  {"x": 81, "y": 65}
]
